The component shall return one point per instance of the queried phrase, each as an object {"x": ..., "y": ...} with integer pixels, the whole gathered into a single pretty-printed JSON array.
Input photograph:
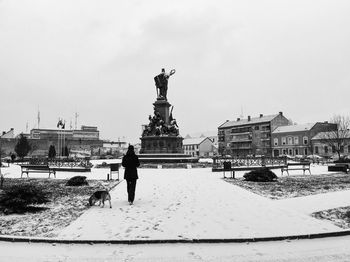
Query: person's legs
[
  {"x": 132, "y": 190},
  {"x": 128, "y": 186}
]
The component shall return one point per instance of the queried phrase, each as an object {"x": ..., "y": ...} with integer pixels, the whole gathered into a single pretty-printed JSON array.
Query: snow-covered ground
[{"x": 190, "y": 204}]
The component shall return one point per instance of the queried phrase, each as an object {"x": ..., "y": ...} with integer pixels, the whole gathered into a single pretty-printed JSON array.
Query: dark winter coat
[{"x": 130, "y": 162}]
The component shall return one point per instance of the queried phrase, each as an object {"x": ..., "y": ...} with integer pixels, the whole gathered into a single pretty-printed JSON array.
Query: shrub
[
  {"x": 342, "y": 160},
  {"x": 77, "y": 181},
  {"x": 18, "y": 198},
  {"x": 260, "y": 175}
]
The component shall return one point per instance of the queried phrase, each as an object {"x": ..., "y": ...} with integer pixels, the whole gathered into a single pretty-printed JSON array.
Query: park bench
[
  {"x": 296, "y": 166},
  {"x": 37, "y": 169}
]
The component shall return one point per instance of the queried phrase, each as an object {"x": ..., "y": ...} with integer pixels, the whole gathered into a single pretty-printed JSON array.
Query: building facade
[
  {"x": 199, "y": 147},
  {"x": 324, "y": 149},
  {"x": 248, "y": 137},
  {"x": 295, "y": 140},
  {"x": 81, "y": 141}
]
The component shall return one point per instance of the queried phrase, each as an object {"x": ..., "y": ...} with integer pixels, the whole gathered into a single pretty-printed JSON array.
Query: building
[
  {"x": 295, "y": 140},
  {"x": 328, "y": 149},
  {"x": 79, "y": 142},
  {"x": 8, "y": 134},
  {"x": 251, "y": 136},
  {"x": 199, "y": 147},
  {"x": 85, "y": 133}
]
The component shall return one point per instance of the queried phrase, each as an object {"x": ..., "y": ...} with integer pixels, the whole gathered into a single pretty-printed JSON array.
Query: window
[
  {"x": 256, "y": 128},
  {"x": 348, "y": 148},
  {"x": 296, "y": 151},
  {"x": 305, "y": 140},
  {"x": 305, "y": 151},
  {"x": 316, "y": 149},
  {"x": 290, "y": 152},
  {"x": 284, "y": 141},
  {"x": 326, "y": 149},
  {"x": 296, "y": 140},
  {"x": 275, "y": 141},
  {"x": 290, "y": 140},
  {"x": 284, "y": 151},
  {"x": 333, "y": 149},
  {"x": 341, "y": 149}
]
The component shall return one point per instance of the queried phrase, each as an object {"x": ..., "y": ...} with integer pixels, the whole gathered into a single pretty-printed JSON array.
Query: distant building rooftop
[
  {"x": 293, "y": 128},
  {"x": 193, "y": 141},
  {"x": 249, "y": 121}
]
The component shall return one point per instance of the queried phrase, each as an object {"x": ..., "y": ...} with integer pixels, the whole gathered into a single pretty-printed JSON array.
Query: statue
[{"x": 161, "y": 81}]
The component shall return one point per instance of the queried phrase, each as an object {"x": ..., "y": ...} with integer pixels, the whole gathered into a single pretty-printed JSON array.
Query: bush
[
  {"x": 260, "y": 175},
  {"x": 77, "y": 181},
  {"x": 342, "y": 160},
  {"x": 18, "y": 198}
]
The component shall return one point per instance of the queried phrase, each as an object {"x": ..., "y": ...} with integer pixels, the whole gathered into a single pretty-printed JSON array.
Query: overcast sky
[{"x": 98, "y": 58}]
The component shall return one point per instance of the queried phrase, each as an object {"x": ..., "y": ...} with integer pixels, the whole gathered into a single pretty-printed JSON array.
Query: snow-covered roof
[
  {"x": 203, "y": 134},
  {"x": 193, "y": 141},
  {"x": 325, "y": 135},
  {"x": 253, "y": 120},
  {"x": 294, "y": 128}
]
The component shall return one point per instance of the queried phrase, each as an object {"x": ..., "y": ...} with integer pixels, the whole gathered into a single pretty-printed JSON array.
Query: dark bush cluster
[
  {"x": 18, "y": 198},
  {"x": 342, "y": 160},
  {"x": 260, "y": 175},
  {"x": 77, "y": 181}
]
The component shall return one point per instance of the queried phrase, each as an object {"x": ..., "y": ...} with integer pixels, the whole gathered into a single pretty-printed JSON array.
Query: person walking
[{"x": 130, "y": 162}]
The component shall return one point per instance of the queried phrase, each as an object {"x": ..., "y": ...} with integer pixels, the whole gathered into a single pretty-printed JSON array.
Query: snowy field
[{"x": 191, "y": 204}]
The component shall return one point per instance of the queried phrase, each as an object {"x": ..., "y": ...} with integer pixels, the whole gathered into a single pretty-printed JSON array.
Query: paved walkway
[{"x": 191, "y": 204}]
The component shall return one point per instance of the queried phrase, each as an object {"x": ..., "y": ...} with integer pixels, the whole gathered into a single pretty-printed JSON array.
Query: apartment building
[{"x": 251, "y": 136}]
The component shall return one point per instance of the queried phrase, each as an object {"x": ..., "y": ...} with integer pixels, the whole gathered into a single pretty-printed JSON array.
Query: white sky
[{"x": 99, "y": 58}]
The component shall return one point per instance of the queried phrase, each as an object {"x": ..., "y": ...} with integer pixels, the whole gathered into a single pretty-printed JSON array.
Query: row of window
[
  {"x": 332, "y": 149},
  {"x": 190, "y": 147},
  {"x": 291, "y": 140},
  {"x": 295, "y": 151}
]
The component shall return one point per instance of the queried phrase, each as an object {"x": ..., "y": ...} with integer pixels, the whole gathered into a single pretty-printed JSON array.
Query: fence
[{"x": 218, "y": 163}]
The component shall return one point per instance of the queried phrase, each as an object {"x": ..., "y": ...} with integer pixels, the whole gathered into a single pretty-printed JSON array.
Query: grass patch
[
  {"x": 296, "y": 186},
  {"x": 338, "y": 216},
  {"x": 65, "y": 204}
]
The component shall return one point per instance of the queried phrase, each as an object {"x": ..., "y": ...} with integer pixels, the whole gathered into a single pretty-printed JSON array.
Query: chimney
[
  {"x": 281, "y": 113},
  {"x": 261, "y": 115},
  {"x": 248, "y": 118},
  {"x": 238, "y": 119}
]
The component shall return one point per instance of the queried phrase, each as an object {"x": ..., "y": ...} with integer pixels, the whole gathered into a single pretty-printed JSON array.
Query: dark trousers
[{"x": 131, "y": 186}]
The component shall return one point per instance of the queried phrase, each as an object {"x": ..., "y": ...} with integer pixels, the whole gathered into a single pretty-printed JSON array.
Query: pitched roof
[
  {"x": 325, "y": 135},
  {"x": 193, "y": 141},
  {"x": 253, "y": 120},
  {"x": 294, "y": 128}
]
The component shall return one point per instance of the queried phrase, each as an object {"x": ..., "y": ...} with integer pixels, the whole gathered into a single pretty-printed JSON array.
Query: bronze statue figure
[{"x": 161, "y": 82}]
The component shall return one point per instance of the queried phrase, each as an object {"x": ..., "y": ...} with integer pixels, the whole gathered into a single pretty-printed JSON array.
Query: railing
[
  {"x": 70, "y": 163},
  {"x": 218, "y": 162}
]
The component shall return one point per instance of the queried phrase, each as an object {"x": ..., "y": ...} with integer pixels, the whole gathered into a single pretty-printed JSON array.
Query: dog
[{"x": 100, "y": 196}]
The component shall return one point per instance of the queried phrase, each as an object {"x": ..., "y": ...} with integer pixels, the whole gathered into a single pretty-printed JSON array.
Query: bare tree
[{"x": 336, "y": 138}]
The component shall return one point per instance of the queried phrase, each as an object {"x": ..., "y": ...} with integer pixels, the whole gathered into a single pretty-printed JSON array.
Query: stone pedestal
[
  {"x": 162, "y": 106},
  {"x": 162, "y": 145}
]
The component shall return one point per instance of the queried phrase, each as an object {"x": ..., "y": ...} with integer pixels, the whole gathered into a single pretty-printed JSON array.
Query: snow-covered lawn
[{"x": 182, "y": 204}]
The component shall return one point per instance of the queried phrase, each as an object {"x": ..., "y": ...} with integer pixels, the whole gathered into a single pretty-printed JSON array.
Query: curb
[{"x": 4, "y": 238}]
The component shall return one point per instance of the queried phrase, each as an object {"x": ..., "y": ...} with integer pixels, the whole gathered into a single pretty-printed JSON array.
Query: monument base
[
  {"x": 161, "y": 145},
  {"x": 166, "y": 158}
]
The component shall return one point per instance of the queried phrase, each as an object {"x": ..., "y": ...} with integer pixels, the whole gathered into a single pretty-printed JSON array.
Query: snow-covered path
[
  {"x": 190, "y": 203},
  {"x": 314, "y": 203}
]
